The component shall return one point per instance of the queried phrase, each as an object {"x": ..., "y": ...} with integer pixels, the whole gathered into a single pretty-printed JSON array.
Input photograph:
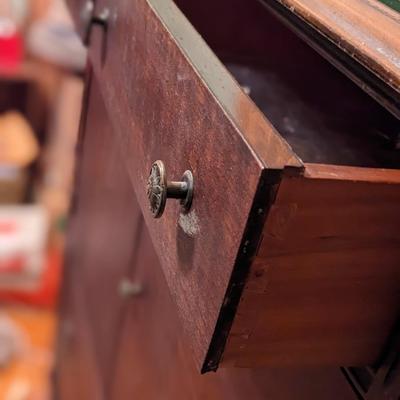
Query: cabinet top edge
[
  {"x": 367, "y": 30},
  {"x": 354, "y": 174}
]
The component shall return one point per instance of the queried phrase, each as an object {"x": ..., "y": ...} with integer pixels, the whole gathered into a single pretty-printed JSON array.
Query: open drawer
[{"x": 290, "y": 252}]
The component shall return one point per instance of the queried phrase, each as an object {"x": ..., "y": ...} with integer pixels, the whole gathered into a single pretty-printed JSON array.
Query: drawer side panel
[{"x": 325, "y": 286}]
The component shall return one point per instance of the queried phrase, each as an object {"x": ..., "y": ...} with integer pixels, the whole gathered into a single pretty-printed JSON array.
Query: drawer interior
[{"x": 323, "y": 115}]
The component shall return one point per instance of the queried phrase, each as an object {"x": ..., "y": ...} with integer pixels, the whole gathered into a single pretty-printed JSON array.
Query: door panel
[{"x": 105, "y": 227}]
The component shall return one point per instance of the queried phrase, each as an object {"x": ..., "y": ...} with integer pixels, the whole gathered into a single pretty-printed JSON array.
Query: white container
[{"x": 23, "y": 240}]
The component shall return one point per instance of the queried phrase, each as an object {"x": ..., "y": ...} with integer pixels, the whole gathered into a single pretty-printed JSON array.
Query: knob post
[{"x": 159, "y": 189}]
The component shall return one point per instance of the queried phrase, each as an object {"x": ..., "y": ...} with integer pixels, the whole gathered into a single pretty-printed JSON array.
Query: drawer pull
[
  {"x": 129, "y": 289},
  {"x": 159, "y": 189}
]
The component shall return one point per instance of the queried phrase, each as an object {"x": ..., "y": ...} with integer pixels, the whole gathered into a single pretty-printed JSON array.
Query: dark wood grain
[
  {"x": 296, "y": 88},
  {"x": 352, "y": 174},
  {"x": 162, "y": 107},
  {"x": 323, "y": 289},
  {"x": 153, "y": 356},
  {"x": 325, "y": 286},
  {"x": 367, "y": 30},
  {"x": 155, "y": 361}
]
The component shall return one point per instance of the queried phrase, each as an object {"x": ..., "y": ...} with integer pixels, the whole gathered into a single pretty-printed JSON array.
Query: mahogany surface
[
  {"x": 323, "y": 115},
  {"x": 324, "y": 287},
  {"x": 301, "y": 258},
  {"x": 169, "y": 113},
  {"x": 368, "y": 30},
  {"x": 155, "y": 361},
  {"x": 151, "y": 355}
]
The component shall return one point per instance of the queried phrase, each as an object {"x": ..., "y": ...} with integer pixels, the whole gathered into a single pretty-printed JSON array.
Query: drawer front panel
[
  {"x": 168, "y": 98},
  {"x": 162, "y": 109}
]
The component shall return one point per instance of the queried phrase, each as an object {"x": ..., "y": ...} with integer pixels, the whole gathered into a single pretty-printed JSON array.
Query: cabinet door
[
  {"x": 255, "y": 266},
  {"x": 76, "y": 375},
  {"x": 103, "y": 233}
]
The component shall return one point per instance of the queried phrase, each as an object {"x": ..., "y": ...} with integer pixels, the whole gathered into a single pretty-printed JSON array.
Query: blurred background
[{"x": 41, "y": 82}]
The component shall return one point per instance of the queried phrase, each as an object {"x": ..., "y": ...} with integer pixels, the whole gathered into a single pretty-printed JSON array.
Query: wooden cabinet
[
  {"x": 288, "y": 255},
  {"x": 126, "y": 341},
  {"x": 155, "y": 360}
]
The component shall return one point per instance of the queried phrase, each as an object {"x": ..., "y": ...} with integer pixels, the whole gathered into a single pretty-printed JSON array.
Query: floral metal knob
[{"x": 159, "y": 189}]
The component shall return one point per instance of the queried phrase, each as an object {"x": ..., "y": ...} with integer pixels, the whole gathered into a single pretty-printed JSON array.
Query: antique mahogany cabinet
[{"x": 234, "y": 229}]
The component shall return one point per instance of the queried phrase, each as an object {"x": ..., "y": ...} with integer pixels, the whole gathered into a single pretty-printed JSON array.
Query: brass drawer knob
[{"x": 159, "y": 189}]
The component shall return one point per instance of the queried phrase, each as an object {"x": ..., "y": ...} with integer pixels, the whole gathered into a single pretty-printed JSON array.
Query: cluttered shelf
[{"x": 40, "y": 95}]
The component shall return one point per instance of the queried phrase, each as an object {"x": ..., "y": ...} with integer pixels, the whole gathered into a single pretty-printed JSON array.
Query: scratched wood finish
[
  {"x": 325, "y": 286},
  {"x": 195, "y": 62},
  {"x": 164, "y": 93},
  {"x": 296, "y": 88},
  {"x": 162, "y": 107},
  {"x": 154, "y": 359},
  {"x": 168, "y": 97},
  {"x": 367, "y": 30}
]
